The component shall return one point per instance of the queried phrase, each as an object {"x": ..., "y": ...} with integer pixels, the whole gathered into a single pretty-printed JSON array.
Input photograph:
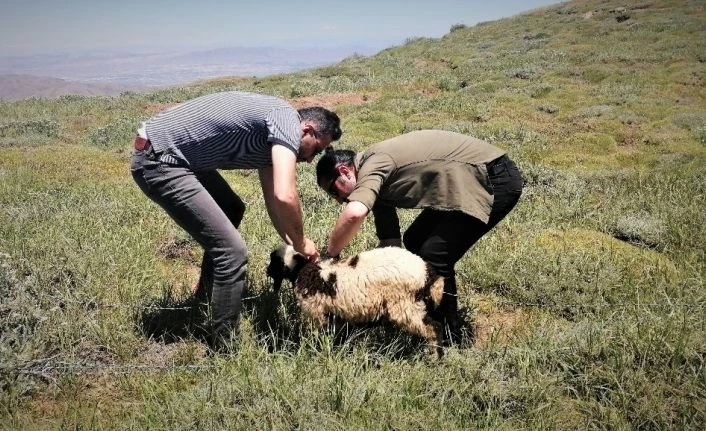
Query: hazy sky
[{"x": 45, "y": 26}]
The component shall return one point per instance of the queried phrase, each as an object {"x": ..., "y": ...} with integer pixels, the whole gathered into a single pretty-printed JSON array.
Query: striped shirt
[{"x": 228, "y": 130}]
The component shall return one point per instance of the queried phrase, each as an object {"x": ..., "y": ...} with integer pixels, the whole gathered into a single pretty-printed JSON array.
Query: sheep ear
[
  {"x": 299, "y": 262},
  {"x": 276, "y": 270}
]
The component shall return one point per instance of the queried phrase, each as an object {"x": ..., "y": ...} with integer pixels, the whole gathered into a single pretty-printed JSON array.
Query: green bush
[
  {"x": 116, "y": 134},
  {"x": 29, "y": 133}
]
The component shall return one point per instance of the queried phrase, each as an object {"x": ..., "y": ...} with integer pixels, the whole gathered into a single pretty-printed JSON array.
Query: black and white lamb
[{"x": 388, "y": 282}]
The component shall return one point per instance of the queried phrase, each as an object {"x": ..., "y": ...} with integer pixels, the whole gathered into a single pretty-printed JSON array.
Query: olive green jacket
[{"x": 424, "y": 169}]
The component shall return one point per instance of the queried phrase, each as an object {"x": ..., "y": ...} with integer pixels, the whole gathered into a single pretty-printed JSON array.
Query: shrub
[
  {"x": 595, "y": 111},
  {"x": 542, "y": 90},
  {"x": 691, "y": 121},
  {"x": 29, "y": 133},
  {"x": 549, "y": 109},
  {"x": 448, "y": 83},
  {"x": 116, "y": 134},
  {"x": 700, "y": 134},
  {"x": 526, "y": 72},
  {"x": 569, "y": 10},
  {"x": 21, "y": 316},
  {"x": 641, "y": 229},
  {"x": 630, "y": 119}
]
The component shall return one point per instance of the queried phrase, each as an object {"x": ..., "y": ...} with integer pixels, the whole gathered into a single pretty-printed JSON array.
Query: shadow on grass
[
  {"x": 277, "y": 320},
  {"x": 170, "y": 320},
  {"x": 278, "y": 325}
]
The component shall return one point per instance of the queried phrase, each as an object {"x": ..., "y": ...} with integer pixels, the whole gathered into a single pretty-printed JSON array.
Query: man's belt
[
  {"x": 141, "y": 144},
  {"x": 497, "y": 166}
]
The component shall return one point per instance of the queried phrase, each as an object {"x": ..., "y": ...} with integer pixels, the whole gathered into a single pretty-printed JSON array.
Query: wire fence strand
[
  {"x": 49, "y": 371},
  {"x": 500, "y": 303}
]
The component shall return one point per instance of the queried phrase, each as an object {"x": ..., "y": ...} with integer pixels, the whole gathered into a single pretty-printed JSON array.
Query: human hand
[
  {"x": 308, "y": 249},
  {"x": 325, "y": 255}
]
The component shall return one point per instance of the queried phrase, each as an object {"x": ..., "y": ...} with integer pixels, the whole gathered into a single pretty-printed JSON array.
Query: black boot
[{"x": 447, "y": 312}]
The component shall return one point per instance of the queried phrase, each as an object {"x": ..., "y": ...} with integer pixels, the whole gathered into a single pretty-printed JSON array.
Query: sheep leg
[
  {"x": 435, "y": 346},
  {"x": 314, "y": 313},
  {"x": 321, "y": 320},
  {"x": 413, "y": 317}
]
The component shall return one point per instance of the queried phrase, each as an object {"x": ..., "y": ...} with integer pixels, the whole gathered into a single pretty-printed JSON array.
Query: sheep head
[{"x": 285, "y": 263}]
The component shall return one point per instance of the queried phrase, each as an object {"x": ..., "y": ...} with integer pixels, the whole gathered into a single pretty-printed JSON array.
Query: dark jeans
[
  {"x": 205, "y": 206},
  {"x": 442, "y": 237}
]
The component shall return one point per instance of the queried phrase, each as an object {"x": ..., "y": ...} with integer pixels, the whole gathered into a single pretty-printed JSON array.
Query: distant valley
[
  {"x": 19, "y": 87},
  {"x": 110, "y": 73}
]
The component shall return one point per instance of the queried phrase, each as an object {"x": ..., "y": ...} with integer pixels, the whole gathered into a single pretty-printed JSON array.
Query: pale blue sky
[{"x": 45, "y": 26}]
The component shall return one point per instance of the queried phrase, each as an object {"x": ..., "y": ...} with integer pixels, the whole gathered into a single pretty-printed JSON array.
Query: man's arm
[
  {"x": 347, "y": 226},
  {"x": 282, "y": 200},
  {"x": 268, "y": 193}
]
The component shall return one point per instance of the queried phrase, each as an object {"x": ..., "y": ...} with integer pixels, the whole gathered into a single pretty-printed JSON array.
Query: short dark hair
[
  {"x": 327, "y": 122},
  {"x": 326, "y": 166}
]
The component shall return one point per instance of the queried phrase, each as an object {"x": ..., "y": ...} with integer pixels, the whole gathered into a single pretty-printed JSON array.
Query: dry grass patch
[
  {"x": 154, "y": 108},
  {"x": 66, "y": 164},
  {"x": 331, "y": 101},
  {"x": 497, "y": 328},
  {"x": 634, "y": 262},
  {"x": 157, "y": 354},
  {"x": 97, "y": 396}
]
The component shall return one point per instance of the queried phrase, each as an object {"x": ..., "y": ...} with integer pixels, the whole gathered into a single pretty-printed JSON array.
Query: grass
[{"x": 587, "y": 302}]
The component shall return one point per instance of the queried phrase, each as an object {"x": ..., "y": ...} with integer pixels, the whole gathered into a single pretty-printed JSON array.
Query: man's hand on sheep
[
  {"x": 325, "y": 256},
  {"x": 308, "y": 249}
]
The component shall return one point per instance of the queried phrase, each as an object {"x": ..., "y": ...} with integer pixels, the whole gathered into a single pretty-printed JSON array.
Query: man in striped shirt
[{"x": 177, "y": 154}]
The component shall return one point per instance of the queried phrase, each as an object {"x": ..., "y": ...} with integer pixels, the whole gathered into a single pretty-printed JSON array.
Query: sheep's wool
[
  {"x": 389, "y": 274},
  {"x": 386, "y": 282}
]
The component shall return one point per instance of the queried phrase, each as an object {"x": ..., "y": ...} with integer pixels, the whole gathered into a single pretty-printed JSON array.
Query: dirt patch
[
  {"x": 331, "y": 101},
  {"x": 497, "y": 327},
  {"x": 428, "y": 91},
  {"x": 420, "y": 63},
  {"x": 154, "y": 108},
  {"x": 102, "y": 392},
  {"x": 161, "y": 355},
  {"x": 179, "y": 248},
  {"x": 105, "y": 391}
]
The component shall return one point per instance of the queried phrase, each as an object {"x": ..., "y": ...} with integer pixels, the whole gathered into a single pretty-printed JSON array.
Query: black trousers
[{"x": 442, "y": 237}]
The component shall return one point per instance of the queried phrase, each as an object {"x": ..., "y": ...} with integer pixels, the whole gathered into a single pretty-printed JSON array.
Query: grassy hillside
[{"x": 587, "y": 303}]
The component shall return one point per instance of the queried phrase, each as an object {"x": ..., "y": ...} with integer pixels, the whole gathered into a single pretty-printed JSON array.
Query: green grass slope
[{"x": 587, "y": 303}]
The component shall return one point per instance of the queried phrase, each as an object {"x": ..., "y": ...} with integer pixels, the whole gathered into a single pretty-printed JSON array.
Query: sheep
[{"x": 388, "y": 282}]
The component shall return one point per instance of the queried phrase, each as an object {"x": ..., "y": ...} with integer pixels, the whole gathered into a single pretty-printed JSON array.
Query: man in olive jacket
[{"x": 463, "y": 185}]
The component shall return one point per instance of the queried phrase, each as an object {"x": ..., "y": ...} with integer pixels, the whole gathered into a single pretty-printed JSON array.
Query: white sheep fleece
[
  {"x": 384, "y": 282},
  {"x": 381, "y": 276}
]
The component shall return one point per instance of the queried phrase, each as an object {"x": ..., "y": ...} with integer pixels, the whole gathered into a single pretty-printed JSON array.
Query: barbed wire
[
  {"x": 100, "y": 304},
  {"x": 500, "y": 303},
  {"x": 48, "y": 370},
  {"x": 637, "y": 304}
]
